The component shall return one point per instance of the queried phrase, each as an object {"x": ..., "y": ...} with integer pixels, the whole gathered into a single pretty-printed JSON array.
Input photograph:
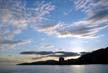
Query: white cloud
[
  {"x": 17, "y": 15},
  {"x": 91, "y": 7},
  {"x": 89, "y": 27}
]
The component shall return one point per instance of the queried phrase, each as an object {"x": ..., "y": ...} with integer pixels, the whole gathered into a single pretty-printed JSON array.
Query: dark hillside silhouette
[{"x": 96, "y": 57}]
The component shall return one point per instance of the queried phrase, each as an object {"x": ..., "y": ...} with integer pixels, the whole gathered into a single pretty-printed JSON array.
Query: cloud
[
  {"x": 15, "y": 59},
  {"x": 95, "y": 9},
  {"x": 12, "y": 43},
  {"x": 49, "y": 53},
  {"x": 66, "y": 54},
  {"x": 48, "y": 46},
  {"x": 88, "y": 27},
  {"x": 49, "y": 29},
  {"x": 8, "y": 61},
  {"x": 81, "y": 31},
  {"x": 91, "y": 6},
  {"x": 40, "y": 53},
  {"x": 17, "y": 15},
  {"x": 96, "y": 21}
]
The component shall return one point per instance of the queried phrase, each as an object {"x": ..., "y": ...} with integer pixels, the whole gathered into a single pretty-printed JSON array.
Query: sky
[{"x": 51, "y": 25}]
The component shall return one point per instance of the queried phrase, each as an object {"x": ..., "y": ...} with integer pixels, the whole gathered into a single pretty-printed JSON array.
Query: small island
[{"x": 96, "y": 57}]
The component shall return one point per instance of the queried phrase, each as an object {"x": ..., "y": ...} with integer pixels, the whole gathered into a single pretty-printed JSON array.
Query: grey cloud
[
  {"x": 12, "y": 43},
  {"x": 49, "y": 29},
  {"x": 45, "y": 26},
  {"x": 50, "y": 53},
  {"x": 48, "y": 46},
  {"x": 100, "y": 15},
  {"x": 81, "y": 31},
  {"x": 34, "y": 52}
]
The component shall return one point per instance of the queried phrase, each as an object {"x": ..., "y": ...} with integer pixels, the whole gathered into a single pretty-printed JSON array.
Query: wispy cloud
[
  {"x": 48, "y": 46},
  {"x": 17, "y": 15},
  {"x": 50, "y": 29},
  {"x": 81, "y": 31},
  {"x": 91, "y": 6},
  {"x": 89, "y": 27},
  {"x": 12, "y": 43}
]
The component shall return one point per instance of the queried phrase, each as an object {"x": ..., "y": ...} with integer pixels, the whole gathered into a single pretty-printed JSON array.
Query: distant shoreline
[{"x": 62, "y": 64}]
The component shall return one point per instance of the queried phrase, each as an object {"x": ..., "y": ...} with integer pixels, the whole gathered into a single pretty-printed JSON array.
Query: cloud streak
[
  {"x": 50, "y": 53},
  {"x": 12, "y": 43}
]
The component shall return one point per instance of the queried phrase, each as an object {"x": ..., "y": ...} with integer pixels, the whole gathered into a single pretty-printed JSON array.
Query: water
[{"x": 55, "y": 69}]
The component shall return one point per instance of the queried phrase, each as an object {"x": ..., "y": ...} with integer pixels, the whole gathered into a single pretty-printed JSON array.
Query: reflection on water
[{"x": 55, "y": 69}]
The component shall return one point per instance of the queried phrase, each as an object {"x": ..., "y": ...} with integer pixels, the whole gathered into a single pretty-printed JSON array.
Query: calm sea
[{"x": 55, "y": 69}]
